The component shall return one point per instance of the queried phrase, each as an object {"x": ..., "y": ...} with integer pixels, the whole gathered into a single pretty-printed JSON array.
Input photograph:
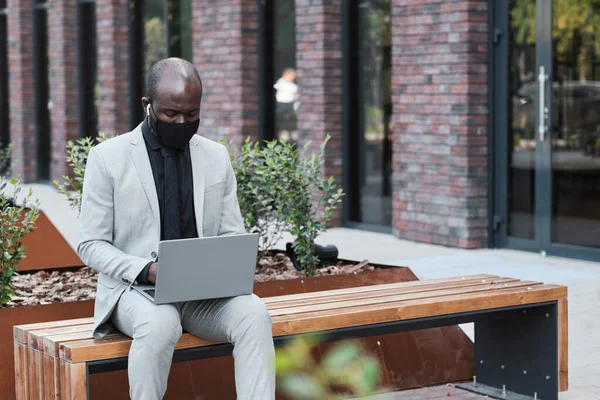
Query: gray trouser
[{"x": 243, "y": 321}]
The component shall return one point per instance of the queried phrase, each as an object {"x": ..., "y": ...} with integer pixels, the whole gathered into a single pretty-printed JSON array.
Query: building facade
[{"x": 466, "y": 123}]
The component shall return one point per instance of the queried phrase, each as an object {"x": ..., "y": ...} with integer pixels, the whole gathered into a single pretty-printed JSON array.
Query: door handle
[{"x": 542, "y": 127}]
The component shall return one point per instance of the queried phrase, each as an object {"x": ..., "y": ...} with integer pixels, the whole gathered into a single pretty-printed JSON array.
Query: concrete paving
[{"x": 429, "y": 261}]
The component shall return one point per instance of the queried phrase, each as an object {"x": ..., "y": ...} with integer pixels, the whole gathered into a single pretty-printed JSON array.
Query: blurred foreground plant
[
  {"x": 77, "y": 154},
  {"x": 15, "y": 222},
  {"x": 346, "y": 370}
]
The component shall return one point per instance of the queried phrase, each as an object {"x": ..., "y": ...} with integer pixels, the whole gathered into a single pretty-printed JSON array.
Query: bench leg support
[
  {"x": 73, "y": 382},
  {"x": 21, "y": 372},
  {"x": 518, "y": 352}
]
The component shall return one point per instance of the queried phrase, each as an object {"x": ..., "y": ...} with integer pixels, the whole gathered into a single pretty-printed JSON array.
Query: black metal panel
[
  {"x": 88, "y": 61},
  {"x": 520, "y": 351},
  {"x": 41, "y": 89},
  {"x": 266, "y": 74},
  {"x": 136, "y": 61}
]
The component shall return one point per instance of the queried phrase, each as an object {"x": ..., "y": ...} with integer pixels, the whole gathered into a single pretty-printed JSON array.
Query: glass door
[
  {"x": 547, "y": 125},
  {"x": 570, "y": 135},
  {"x": 368, "y": 92}
]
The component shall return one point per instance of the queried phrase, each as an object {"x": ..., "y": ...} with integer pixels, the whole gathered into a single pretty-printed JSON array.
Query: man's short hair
[{"x": 173, "y": 64}]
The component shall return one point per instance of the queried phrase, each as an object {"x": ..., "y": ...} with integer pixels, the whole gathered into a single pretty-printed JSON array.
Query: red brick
[
  {"x": 225, "y": 42},
  {"x": 440, "y": 117},
  {"x": 318, "y": 61},
  {"x": 113, "y": 62},
  {"x": 21, "y": 88},
  {"x": 62, "y": 29}
]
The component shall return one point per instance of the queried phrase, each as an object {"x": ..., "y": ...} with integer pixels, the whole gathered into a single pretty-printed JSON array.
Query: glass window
[
  {"x": 370, "y": 139},
  {"x": 155, "y": 35},
  {"x": 157, "y": 29},
  {"x": 88, "y": 83},
  {"x": 42, "y": 92},
  {"x": 284, "y": 67},
  {"x": 576, "y": 124},
  {"x": 180, "y": 29},
  {"x": 4, "y": 115}
]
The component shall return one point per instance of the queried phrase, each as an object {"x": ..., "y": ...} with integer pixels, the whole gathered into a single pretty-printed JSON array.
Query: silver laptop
[{"x": 203, "y": 268}]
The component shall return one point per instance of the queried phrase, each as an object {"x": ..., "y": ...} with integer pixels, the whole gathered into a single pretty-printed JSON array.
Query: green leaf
[
  {"x": 341, "y": 355},
  {"x": 301, "y": 387}
]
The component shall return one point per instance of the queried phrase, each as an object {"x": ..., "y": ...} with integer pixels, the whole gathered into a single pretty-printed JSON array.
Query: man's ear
[{"x": 146, "y": 105}]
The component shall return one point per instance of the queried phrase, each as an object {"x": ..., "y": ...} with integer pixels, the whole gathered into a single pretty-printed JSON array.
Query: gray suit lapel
[
  {"x": 139, "y": 155},
  {"x": 198, "y": 181}
]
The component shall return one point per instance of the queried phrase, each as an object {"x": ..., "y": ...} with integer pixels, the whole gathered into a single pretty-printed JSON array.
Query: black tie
[{"x": 171, "y": 222}]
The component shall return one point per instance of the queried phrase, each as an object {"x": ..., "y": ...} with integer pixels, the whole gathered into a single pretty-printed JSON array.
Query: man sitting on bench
[{"x": 139, "y": 189}]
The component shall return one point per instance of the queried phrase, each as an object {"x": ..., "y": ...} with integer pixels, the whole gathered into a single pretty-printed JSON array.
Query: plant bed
[
  {"x": 46, "y": 248},
  {"x": 79, "y": 284}
]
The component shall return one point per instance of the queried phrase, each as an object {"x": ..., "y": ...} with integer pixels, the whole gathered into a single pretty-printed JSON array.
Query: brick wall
[
  {"x": 113, "y": 79},
  {"x": 440, "y": 117},
  {"x": 62, "y": 31},
  {"x": 22, "y": 101},
  {"x": 225, "y": 52},
  {"x": 319, "y": 70}
]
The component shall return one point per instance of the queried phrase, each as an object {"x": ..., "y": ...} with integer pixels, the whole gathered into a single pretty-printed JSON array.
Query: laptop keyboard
[{"x": 149, "y": 292}]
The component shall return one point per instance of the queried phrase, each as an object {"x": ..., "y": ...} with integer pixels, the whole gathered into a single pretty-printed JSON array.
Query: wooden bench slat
[
  {"x": 493, "y": 284},
  {"x": 35, "y": 338},
  {"x": 396, "y": 289},
  {"x": 102, "y": 349},
  {"x": 421, "y": 308},
  {"x": 51, "y": 343},
  {"x": 373, "y": 288},
  {"x": 20, "y": 331},
  {"x": 84, "y": 350},
  {"x": 563, "y": 345}
]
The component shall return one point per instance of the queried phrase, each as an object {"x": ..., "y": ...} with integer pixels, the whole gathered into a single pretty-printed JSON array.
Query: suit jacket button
[{"x": 153, "y": 254}]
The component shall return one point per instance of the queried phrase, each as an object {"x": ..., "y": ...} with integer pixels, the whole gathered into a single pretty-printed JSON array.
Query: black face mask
[{"x": 175, "y": 135}]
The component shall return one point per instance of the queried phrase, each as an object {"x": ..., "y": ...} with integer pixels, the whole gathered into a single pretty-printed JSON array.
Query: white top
[{"x": 287, "y": 92}]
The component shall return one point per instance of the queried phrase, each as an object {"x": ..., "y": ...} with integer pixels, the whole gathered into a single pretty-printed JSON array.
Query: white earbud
[{"x": 148, "y": 110}]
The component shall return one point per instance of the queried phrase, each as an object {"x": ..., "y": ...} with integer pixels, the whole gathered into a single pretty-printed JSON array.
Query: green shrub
[
  {"x": 263, "y": 182},
  {"x": 281, "y": 188},
  {"x": 15, "y": 222},
  {"x": 77, "y": 154},
  {"x": 346, "y": 368}
]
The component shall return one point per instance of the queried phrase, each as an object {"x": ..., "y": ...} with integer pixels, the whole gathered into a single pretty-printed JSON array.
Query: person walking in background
[{"x": 287, "y": 105}]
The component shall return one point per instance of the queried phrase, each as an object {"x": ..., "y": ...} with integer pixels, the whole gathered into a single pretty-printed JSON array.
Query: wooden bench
[{"x": 520, "y": 329}]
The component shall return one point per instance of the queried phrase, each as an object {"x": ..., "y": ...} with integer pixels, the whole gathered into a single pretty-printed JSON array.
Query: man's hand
[{"x": 152, "y": 272}]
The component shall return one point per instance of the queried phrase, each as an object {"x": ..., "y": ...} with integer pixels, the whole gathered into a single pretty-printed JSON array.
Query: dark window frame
[
  {"x": 266, "y": 73},
  {"x": 4, "y": 80},
  {"x": 136, "y": 49},
  {"x": 43, "y": 134},
  {"x": 87, "y": 49},
  {"x": 352, "y": 116}
]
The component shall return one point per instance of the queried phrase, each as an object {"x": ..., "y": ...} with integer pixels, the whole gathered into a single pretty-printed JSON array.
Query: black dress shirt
[{"x": 186, "y": 188}]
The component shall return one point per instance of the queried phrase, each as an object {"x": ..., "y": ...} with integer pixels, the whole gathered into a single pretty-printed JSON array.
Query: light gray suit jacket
[{"x": 120, "y": 219}]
